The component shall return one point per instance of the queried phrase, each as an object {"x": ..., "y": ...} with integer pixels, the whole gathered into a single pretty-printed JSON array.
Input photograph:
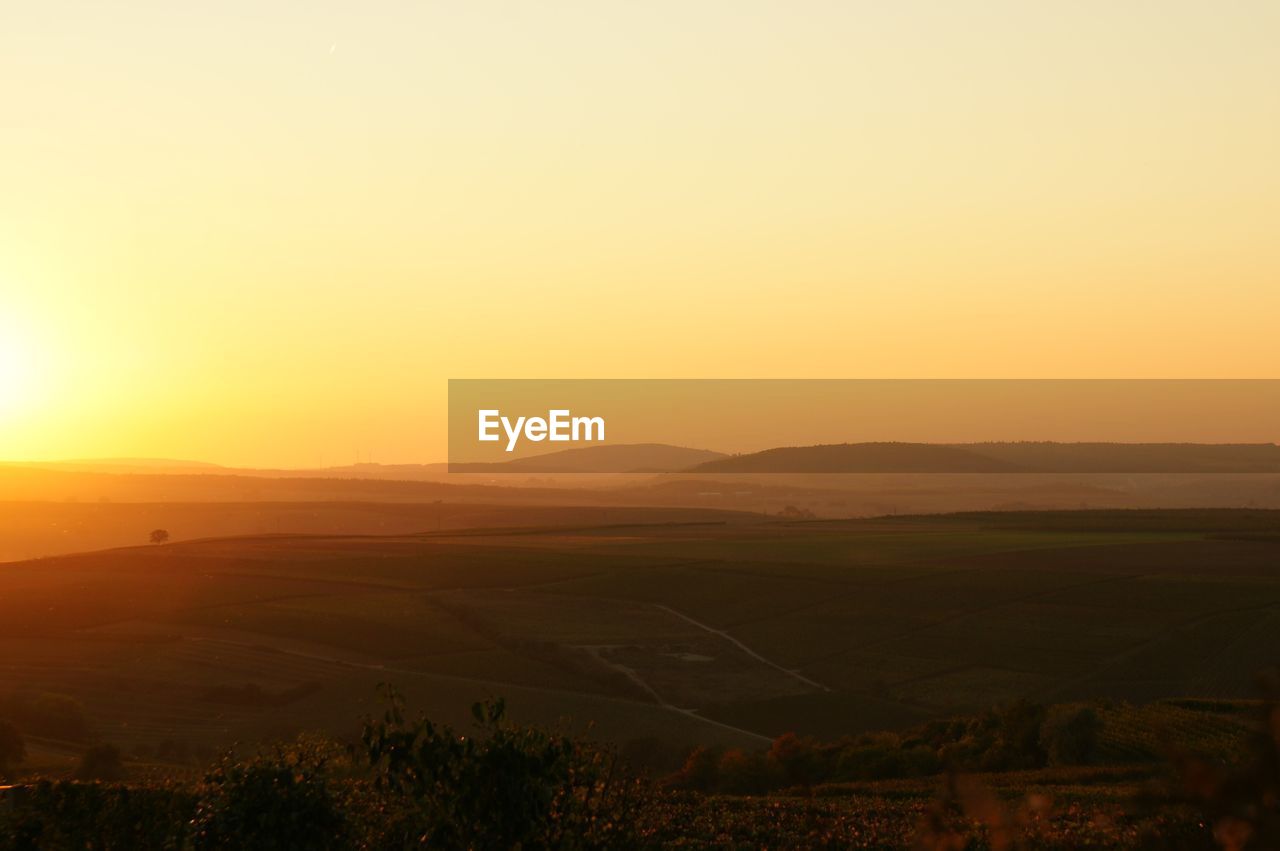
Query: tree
[
  {"x": 100, "y": 762},
  {"x": 1070, "y": 735},
  {"x": 508, "y": 786},
  {"x": 700, "y": 771},
  {"x": 285, "y": 798},
  {"x": 742, "y": 773},
  {"x": 13, "y": 749},
  {"x": 796, "y": 759},
  {"x": 43, "y": 713},
  {"x": 159, "y": 536},
  {"x": 1017, "y": 743}
]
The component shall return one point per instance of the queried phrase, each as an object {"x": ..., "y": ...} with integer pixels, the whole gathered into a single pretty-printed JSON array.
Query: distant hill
[
  {"x": 861, "y": 458},
  {"x": 121, "y": 465},
  {"x": 1048, "y": 457},
  {"x": 620, "y": 458},
  {"x": 1029, "y": 457}
]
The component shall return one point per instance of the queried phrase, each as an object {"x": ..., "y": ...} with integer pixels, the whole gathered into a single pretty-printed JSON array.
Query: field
[
  {"x": 66, "y": 509},
  {"x": 715, "y": 629}
]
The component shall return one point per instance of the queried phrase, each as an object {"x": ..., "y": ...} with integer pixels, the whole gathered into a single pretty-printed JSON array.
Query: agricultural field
[{"x": 700, "y": 628}]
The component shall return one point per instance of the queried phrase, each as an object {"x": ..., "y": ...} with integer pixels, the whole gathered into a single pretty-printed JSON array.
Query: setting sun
[{"x": 17, "y": 368}]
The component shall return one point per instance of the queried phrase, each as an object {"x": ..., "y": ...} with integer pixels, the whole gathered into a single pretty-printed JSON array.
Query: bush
[
  {"x": 700, "y": 771},
  {"x": 742, "y": 773},
  {"x": 100, "y": 762},
  {"x": 70, "y": 816},
  {"x": 508, "y": 787},
  {"x": 1070, "y": 734},
  {"x": 42, "y": 713},
  {"x": 797, "y": 760},
  {"x": 1017, "y": 738},
  {"x": 13, "y": 749},
  {"x": 282, "y": 799}
]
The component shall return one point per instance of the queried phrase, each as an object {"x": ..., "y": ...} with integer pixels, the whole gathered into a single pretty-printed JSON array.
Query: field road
[
  {"x": 375, "y": 666},
  {"x": 744, "y": 648}
]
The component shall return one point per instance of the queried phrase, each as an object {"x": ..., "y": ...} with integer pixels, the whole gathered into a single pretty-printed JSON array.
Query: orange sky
[{"x": 267, "y": 234}]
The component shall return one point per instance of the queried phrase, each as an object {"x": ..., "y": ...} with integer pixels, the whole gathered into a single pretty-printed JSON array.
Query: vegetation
[
  {"x": 42, "y": 713},
  {"x": 506, "y": 787},
  {"x": 100, "y": 762},
  {"x": 825, "y": 629},
  {"x": 1018, "y": 737},
  {"x": 13, "y": 748},
  {"x": 416, "y": 783},
  {"x": 832, "y": 675},
  {"x": 288, "y": 797}
]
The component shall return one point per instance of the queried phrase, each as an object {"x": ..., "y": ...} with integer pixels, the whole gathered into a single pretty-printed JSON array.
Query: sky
[{"x": 267, "y": 234}]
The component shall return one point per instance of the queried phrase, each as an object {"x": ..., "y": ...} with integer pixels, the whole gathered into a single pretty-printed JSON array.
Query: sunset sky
[{"x": 268, "y": 233}]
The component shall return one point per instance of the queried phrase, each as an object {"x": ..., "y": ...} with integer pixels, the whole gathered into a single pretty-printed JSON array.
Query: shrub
[
  {"x": 65, "y": 815},
  {"x": 700, "y": 771},
  {"x": 742, "y": 773},
  {"x": 1070, "y": 734},
  {"x": 282, "y": 799},
  {"x": 100, "y": 762},
  {"x": 1017, "y": 738},
  {"x": 796, "y": 759},
  {"x": 42, "y": 713},
  {"x": 507, "y": 787},
  {"x": 13, "y": 749}
]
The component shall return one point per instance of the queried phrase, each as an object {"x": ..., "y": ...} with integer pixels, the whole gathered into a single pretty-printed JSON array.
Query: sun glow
[{"x": 17, "y": 369}]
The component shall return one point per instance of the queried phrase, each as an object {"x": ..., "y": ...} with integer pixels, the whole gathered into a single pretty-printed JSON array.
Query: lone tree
[
  {"x": 159, "y": 536},
  {"x": 13, "y": 749}
]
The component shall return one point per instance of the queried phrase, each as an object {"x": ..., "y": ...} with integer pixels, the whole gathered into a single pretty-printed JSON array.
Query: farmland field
[{"x": 723, "y": 631}]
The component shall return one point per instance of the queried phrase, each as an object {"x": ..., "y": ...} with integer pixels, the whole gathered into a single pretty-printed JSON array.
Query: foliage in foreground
[
  {"x": 288, "y": 797},
  {"x": 1019, "y": 736},
  {"x": 416, "y": 784},
  {"x": 507, "y": 787}
]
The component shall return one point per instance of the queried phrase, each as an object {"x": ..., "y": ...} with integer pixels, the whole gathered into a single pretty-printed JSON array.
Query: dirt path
[
  {"x": 744, "y": 648},
  {"x": 374, "y": 666}
]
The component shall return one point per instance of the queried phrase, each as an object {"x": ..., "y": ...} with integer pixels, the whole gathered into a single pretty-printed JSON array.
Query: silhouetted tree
[
  {"x": 1069, "y": 735},
  {"x": 509, "y": 786},
  {"x": 701, "y": 768},
  {"x": 100, "y": 762},
  {"x": 13, "y": 749},
  {"x": 280, "y": 799},
  {"x": 743, "y": 773},
  {"x": 39, "y": 713},
  {"x": 159, "y": 536},
  {"x": 796, "y": 759}
]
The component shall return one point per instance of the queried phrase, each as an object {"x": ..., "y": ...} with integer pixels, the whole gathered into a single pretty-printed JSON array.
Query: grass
[{"x": 903, "y": 618}]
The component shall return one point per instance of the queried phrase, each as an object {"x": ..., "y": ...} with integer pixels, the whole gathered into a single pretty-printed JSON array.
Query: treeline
[
  {"x": 1019, "y": 736},
  {"x": 46, "y": 715},
  {"x": 411, "y": 783}
]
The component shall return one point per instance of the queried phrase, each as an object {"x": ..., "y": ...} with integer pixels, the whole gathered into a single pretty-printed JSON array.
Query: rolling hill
[
  {"x": 697, "y": 630},
  {"x": 620, "y": 458},
  {"x": 860, "y": 458},
  {"x": 996, "y": 457}
]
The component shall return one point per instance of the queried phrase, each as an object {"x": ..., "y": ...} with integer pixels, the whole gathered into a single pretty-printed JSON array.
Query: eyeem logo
[{"x": 558, "y": 426}]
